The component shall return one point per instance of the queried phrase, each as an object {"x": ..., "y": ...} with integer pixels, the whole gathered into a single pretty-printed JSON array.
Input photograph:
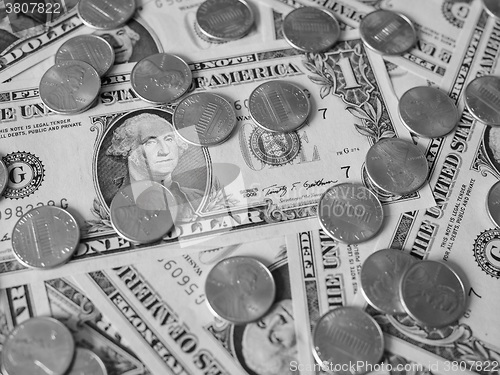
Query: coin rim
[
  {"x": 496, "y": 185},
  {"x": 5, "y": 181},
  {"x": 467, "y": 104},
  {"x": 93, "y": 355}
]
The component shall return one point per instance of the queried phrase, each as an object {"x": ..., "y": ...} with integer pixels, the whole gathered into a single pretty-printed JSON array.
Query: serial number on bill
[{"x": 38, "y": 7}]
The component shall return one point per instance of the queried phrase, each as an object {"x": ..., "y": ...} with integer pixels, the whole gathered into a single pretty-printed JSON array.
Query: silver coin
[
  {"x": 279, "y": 106},
  {"x": 432, "y": 294},
  {"x": 143, "y": 212},
  {"x": 387, "y": 32},
  {"x": 161, "y": 78},
  {"x": 492, "y": 7},
  {"x": 38, "y": 346},
  {"x": 482, "y": 98},
  {"x": 380, "y": 277},
  {"x": 204, "y": 119},
  {"x": 105, "y": 14},
  {"x": 4, "y": 176},
  {"x": 428, "y": 112},
  {"x": 92, "y": 49},
  {"x": 311, "y": 29},
  {"x": 396, "y": 166},
  {"x": 86, "y": 362},
  {"x": 240, "y": 289},
  {"x": 69, "y": 87},
  {"x": 493, "y": 203},
  {"x": 225, "y": 19},
  {"x": 346, "y": 336},
  {"x": 45, "y": 237},
  {"x": 350, "y": 213}
]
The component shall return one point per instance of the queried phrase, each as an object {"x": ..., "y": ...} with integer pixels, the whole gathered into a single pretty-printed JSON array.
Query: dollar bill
[
  {"x": 255, "y": 184},
  {"x": 160, "y": 306},
  {"x": 63, "y": 300},
  {"x": 441, "y": 25}
]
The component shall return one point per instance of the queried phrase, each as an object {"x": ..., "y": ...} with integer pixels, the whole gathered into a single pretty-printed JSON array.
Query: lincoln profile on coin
[{"x": 152, "y": 150}]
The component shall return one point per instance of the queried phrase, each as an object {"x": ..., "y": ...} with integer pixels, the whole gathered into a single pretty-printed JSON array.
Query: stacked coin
[
  {"x": 143, "y": 212},
  {"x": 161, "y": 78},
  {"x": 240, "y": 289},
  {"x": 311, "y": 29},
  {"x": 224, "y": 20},
  {"x": 350, "y": 213},
  {"x": 387, "y": 32},
  {"x": 482, "y": 98},
  {"x": 279, "y": 106},
  {"x": 430, "y": 292},
  {"x": 105, "y": 15},
  {"x": 204, "y": 119},
  {"x": 396, "y": 166},
  {"x": 45, "y": 237}
]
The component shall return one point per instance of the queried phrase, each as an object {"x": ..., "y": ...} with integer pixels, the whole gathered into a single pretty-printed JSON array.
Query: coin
[
  {"x": 311, "y": 29},
  {"x": 143, "y": 212},
  {"x": 482, "y": 98},
  {"x": 161, "y": 78},
  {"x": 69, "y": 87},
  {"x": 346, "y": 336},
  {"x": 279, "y": 106},
  {"x": 493, "y": 203},
  {"x": 240, "y": 289},
  {"x": 432, "y": 293},
  {"x": 4, "y": 176},
  {"x": 38, "y": 346},
  {"x": 105, "y": 14},
  {"x": 492, "y": 7},
  {"x": 86, "y": 362},
  {"x": 92, "y": 49},
  {"x": 380, "y": 277},
  {"x": 45, "y": 237},
  {"x": 350, "y": 213},
  {"x": 428, "y": 111},
  {"x": 204, "y": 119},
  {"x": 387, "y": 32},
  {"x": 225, "y": 19},
  {"x": 396, "y": 166}
]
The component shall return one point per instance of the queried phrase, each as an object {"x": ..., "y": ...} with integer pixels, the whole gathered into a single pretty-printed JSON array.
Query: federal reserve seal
[
  {"x": 26, "y": 173},
  {"x": 274, "y": 148},
  {"x": 487, "y": 252},
  {"x": 456, "y": 11}
]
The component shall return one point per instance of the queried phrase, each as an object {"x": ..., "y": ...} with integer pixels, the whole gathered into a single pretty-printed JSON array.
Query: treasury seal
[
  {"x": 26, "y": 173},
  {"x": 456, "y": 11},
  {"x": 487, "y": 252},
  {"x": 274, "y": 148}
]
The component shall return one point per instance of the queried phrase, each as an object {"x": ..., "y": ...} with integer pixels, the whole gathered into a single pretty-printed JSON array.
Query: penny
[
  {"x": 86, "y": 362},
  {"x": 380, "y": 277},
  {"x": 105, "y": 14},
  {"x": 4, "y": 176},
  {"x": 38, "y": 346},
  {"x": 311, "y": 29},
  {"x": 161, "y": 78},
  {"x": 482, "y": 98},
  {"x": 45, "y": 237},
  {"x": 492, "y": 7},
  {"x": 396, "y": 166},
  {"x": 143, "y": 212},
  {"x": 278, "y": 106},
  {"x": 387, "y": 32},
  {"x": 240, "y": 289},
  {"x": 428, "y": 112},
  {"x": 350, "y": 213},
  {"x": 346, "y": 336},
  {"x": 493, "y": 203},
  {"x": 225, "y": 19},
  {"x": 204, "y": 119},
  {"x": 432, "y": 294},
  {"x": 92, "y": 49},
  {"x": 69, "y": 87}
]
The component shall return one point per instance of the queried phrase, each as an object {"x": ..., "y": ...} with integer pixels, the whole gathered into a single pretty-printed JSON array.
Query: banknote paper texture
[
  {"x": 161, "y": 305},
  {"x": 61, "y": 299}
]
